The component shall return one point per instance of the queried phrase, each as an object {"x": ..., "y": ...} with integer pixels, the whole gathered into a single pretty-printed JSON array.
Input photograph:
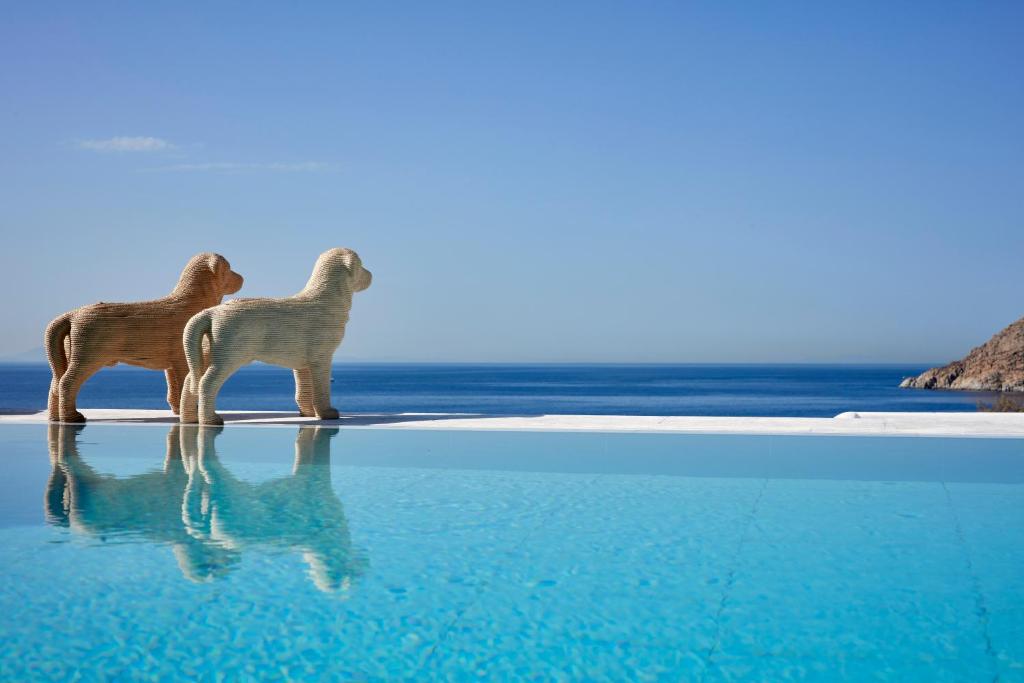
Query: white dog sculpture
[{"x": 300, "y": 332}]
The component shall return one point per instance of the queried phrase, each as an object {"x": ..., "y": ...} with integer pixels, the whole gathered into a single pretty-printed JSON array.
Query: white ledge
[{"x": 864, "y": 424}]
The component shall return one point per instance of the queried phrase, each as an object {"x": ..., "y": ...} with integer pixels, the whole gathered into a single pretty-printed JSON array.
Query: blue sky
[{"x": 643, "y": 182}]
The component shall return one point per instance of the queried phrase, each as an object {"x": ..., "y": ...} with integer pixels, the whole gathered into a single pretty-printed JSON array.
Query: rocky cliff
[{"x": 997, "y": 365}]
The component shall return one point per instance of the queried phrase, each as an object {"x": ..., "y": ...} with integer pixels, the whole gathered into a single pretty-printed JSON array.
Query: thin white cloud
[
  {"x": 126, "y": 144},
  {"x": 237, "y": 166}
]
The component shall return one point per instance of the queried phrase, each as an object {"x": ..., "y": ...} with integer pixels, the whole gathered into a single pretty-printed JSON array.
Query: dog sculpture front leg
[
  {"x": 175, "y": 376},
  {"x": 321, "y": 374},
  {"x": 189, "y": 405},
  {"x": 304, "y": 392},
  {"x": 53, "y": 400}
]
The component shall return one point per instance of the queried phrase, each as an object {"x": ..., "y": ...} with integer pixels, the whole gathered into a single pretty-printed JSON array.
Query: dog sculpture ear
[
  {"x": 359, "y": 277},
  {"x": 228, "y": 280}
]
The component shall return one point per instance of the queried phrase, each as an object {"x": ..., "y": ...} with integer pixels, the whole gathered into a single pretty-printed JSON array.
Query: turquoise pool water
[{"x": 148, "y": 552}]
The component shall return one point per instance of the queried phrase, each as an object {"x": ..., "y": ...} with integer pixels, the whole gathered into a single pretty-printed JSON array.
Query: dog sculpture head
[
  {"x": 208, "y": 275},
  {"x": 339, "y": 271}
]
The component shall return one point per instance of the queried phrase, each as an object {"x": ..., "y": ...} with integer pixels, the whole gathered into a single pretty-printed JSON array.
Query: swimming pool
[{"x": 185, "y": 553}]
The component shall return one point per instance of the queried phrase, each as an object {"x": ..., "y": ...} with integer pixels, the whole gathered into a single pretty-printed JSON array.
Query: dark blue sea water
[{"x": 754, "y": 390}]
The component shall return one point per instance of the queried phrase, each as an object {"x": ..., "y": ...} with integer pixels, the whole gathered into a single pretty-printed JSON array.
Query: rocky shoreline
[{"x": 996, "y": 365}]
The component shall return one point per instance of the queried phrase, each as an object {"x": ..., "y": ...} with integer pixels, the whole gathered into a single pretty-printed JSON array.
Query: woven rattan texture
[
  {"x": 300, "y": 332},
  {"x": 145, "y": 333}
]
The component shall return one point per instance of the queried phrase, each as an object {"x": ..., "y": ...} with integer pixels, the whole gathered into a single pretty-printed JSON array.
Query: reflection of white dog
[
  {"x": 297, "y": 512},
  {"x": 299, "y": 332},
  {"x": 206, "y": 514}
]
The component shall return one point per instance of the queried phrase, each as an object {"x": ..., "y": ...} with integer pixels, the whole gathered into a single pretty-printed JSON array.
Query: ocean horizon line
[{"x": 674, "y": 364}]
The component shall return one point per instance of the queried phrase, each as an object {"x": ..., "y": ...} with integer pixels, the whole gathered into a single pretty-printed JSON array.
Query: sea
[{"x": 527, "y": 389}]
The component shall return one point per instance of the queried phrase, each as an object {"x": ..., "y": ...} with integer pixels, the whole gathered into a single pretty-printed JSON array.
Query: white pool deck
[{"x": 975, "y": 424}]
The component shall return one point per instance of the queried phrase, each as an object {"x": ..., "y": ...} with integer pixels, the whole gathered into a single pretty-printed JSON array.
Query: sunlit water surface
[{"x": 148, "y": 552}]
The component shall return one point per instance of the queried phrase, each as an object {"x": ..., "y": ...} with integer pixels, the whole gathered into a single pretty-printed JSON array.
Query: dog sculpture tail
[
  {"x": 56, "y": 332},
  {"x": 197, "y": 328}
]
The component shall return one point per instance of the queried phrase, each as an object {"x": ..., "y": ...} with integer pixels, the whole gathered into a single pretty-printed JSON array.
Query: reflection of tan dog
[
  {"x": 206, "y": 514},
  {"x": 144, "y": 506},
  {"x": 147, "y": 334},
  {"x": 299, "y": 332}
]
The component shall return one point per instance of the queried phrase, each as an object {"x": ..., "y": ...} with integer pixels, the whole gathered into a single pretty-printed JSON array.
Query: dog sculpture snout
[
  {"x": 364, "y": 281},
  {"x": 234, "y": 282}
]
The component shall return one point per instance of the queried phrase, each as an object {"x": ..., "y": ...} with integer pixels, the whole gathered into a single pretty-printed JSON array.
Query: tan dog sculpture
[
  {"x": 300, "y": 332},
  {"x": 145, "y": 333}
]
